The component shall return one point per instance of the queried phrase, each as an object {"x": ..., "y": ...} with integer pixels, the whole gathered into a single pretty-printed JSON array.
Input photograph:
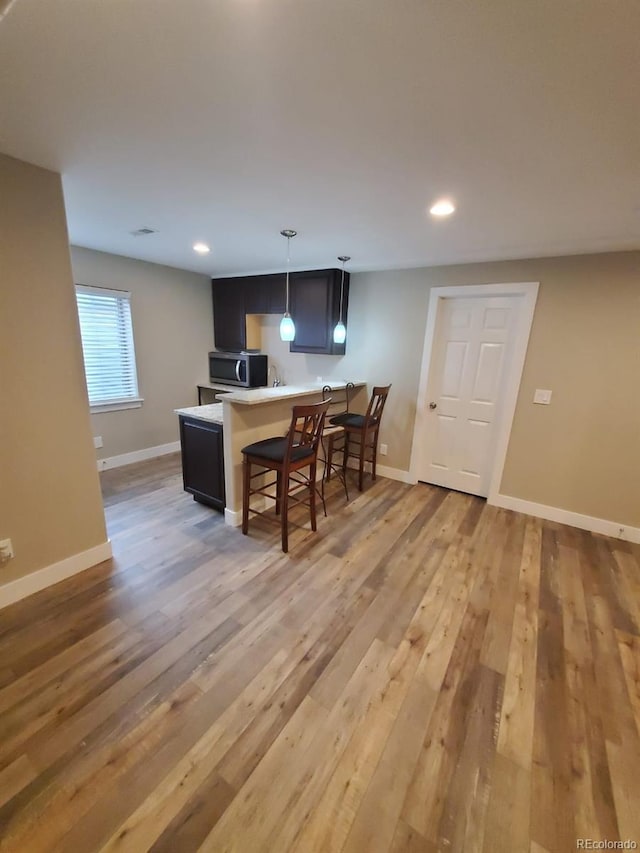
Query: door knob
[{"x": 433, "y": 405}]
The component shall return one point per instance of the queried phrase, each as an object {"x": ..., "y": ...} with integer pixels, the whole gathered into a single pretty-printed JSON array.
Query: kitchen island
[{"x": 243, "y": 416}]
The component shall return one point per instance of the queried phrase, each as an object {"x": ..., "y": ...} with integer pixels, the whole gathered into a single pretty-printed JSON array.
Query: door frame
[{"x": 527, "y": 291}]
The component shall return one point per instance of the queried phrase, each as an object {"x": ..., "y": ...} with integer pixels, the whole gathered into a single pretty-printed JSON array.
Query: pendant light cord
[
  {"x": 342, "y": 290},
  {"x": 288, "y": 264}
]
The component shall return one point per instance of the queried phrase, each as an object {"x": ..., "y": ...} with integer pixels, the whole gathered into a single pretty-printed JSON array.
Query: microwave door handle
[{"x": 238, "y": 370}]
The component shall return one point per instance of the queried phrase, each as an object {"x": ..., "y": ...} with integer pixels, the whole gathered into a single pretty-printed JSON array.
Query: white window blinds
[{"x": 107, "y": 345}]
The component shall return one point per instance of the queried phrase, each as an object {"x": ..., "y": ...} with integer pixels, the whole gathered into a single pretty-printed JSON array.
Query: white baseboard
[
  {"x": 232, "y": 518},
  {"x": 396, "y": 474},
  {"x": 385, "y": 471},
  {"x": 565, "y": 516},
  {"x": 138, "y": 455},
  {"x": 42, "y": 578}
]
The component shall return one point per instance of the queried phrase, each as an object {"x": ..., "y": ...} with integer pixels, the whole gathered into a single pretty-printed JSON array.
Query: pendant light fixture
[
  {"x": 340, "y": 331},
  {"x": 287, "y": 327}
]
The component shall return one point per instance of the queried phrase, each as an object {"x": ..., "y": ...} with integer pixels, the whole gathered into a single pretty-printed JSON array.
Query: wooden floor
[{"x": 426, "y": 673}]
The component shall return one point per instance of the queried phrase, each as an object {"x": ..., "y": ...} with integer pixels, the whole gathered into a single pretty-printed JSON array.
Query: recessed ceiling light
[
  {"x": 443, "y": 207},
  {"x": 201, "y": 248}
]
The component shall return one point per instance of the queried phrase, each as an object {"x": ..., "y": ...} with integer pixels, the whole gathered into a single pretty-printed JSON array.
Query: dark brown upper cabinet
[
  {"x": 314, "y": 298},
  {"x": 234, "y": 298},
  {"x": 314, "y": 305},
  {"x": 264, "y": 294},
  {"x": 229, "y": 326}
]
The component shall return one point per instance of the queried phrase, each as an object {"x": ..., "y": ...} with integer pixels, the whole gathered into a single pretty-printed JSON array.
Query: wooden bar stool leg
[
  {"x": 312, "y": 496},
  {"x": 328, "y": 458},
  {"x": 246, "y": 484},
  {"x": 345, "y": 453},
  {"x": 278, "y": 492},
  {"x": 284, "y": 512},
  {"x": 363, "y": 447},
  {"x": 375, "y": 456},
  {"x": 343, "y": 477}
]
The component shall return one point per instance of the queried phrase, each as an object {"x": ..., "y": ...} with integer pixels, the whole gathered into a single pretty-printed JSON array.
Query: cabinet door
[
  {"x": 203, "y": 461},
  {"x": 229, "y": 326},
  {"x": 276, "y": 294},
  {"x": 256, "y": 293},
  {"x": 310, "y": 298},
  {"x": 315, "y": 305},
  {"x": 264, "y": 294}
]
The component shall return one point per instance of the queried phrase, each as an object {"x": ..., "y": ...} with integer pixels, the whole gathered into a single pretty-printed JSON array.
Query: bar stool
[
  {"x": 334, "y": 432},
  {"x": 287, "y": 456},
  {"x": 365, "y": 428}
]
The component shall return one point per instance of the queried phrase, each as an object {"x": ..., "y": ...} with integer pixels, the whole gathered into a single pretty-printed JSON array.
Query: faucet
[{"x": 276, "y": 381}]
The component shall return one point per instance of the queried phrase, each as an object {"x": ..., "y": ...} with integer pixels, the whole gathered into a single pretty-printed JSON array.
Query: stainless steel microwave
[{"x": 247, "y": 370}]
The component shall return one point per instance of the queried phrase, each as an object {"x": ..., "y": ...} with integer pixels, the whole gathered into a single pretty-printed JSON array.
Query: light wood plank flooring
[{"x": 426, "y": 673}]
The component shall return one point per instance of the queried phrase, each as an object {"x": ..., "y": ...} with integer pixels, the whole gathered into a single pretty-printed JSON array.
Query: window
[{"x": 107, "y": 346}]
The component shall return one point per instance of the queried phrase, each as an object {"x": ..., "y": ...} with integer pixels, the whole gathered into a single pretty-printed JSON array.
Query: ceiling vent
[{"x": 142, "y": 232}]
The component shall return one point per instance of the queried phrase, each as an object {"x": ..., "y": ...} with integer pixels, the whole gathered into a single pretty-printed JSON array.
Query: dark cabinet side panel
[{"x": 203, "y": 461}]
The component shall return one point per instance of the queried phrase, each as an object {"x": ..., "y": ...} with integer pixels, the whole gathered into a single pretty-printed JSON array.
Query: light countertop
[
  {"x": 254, "y": 396},
  {"x": 211, "y": 413}
]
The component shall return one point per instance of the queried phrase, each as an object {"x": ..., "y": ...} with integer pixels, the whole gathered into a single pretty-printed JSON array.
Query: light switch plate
[{"x": 542, "y": 396}]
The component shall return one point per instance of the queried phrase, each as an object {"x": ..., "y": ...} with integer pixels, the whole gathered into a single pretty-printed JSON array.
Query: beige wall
[
  {"x": 173, "y": 333},
  {"x": 581, "y": 453},
  {"x": 50, "y": 502}
]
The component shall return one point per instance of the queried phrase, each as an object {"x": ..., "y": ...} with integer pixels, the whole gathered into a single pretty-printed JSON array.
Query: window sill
[{"x": 116, "y": 405}]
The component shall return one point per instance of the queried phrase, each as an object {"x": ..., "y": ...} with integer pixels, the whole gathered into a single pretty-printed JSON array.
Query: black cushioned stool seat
[
  {"x": 276, "y": 448},
  {"x": 352, "y": 420}
]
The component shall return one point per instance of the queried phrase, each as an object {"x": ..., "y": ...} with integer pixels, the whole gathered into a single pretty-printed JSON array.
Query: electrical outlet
[
  {"x": 97, "y": 441},
  {"x": 6, "y": 551},
  {"x": 383, "y": 449}
]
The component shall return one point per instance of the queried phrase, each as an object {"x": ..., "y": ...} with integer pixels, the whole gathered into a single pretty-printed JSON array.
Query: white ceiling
[{"x": 227, "y": 120}]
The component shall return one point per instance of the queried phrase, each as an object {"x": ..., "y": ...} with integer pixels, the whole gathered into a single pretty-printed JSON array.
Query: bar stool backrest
[
  {"x": 306, "y": 426},
  {"x": 376, "y": 404}
]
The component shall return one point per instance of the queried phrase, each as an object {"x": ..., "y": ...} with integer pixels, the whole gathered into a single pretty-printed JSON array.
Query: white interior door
[{"x": 469, "y": 360}]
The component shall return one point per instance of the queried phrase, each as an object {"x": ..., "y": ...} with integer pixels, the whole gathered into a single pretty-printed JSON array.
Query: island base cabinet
[{"x": 203, "y": 461}]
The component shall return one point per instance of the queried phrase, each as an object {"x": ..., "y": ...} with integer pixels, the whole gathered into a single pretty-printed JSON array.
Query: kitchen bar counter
[
  {"x": 255, "y": 413},
  {"x": 254, "y": 396},
  {"x": 247, "y": 415}
]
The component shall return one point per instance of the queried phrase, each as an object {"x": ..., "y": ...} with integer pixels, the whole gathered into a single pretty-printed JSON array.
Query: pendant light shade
[
  {"x": 287, "y": 326},
  {"x": 340, "y": 331}
]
